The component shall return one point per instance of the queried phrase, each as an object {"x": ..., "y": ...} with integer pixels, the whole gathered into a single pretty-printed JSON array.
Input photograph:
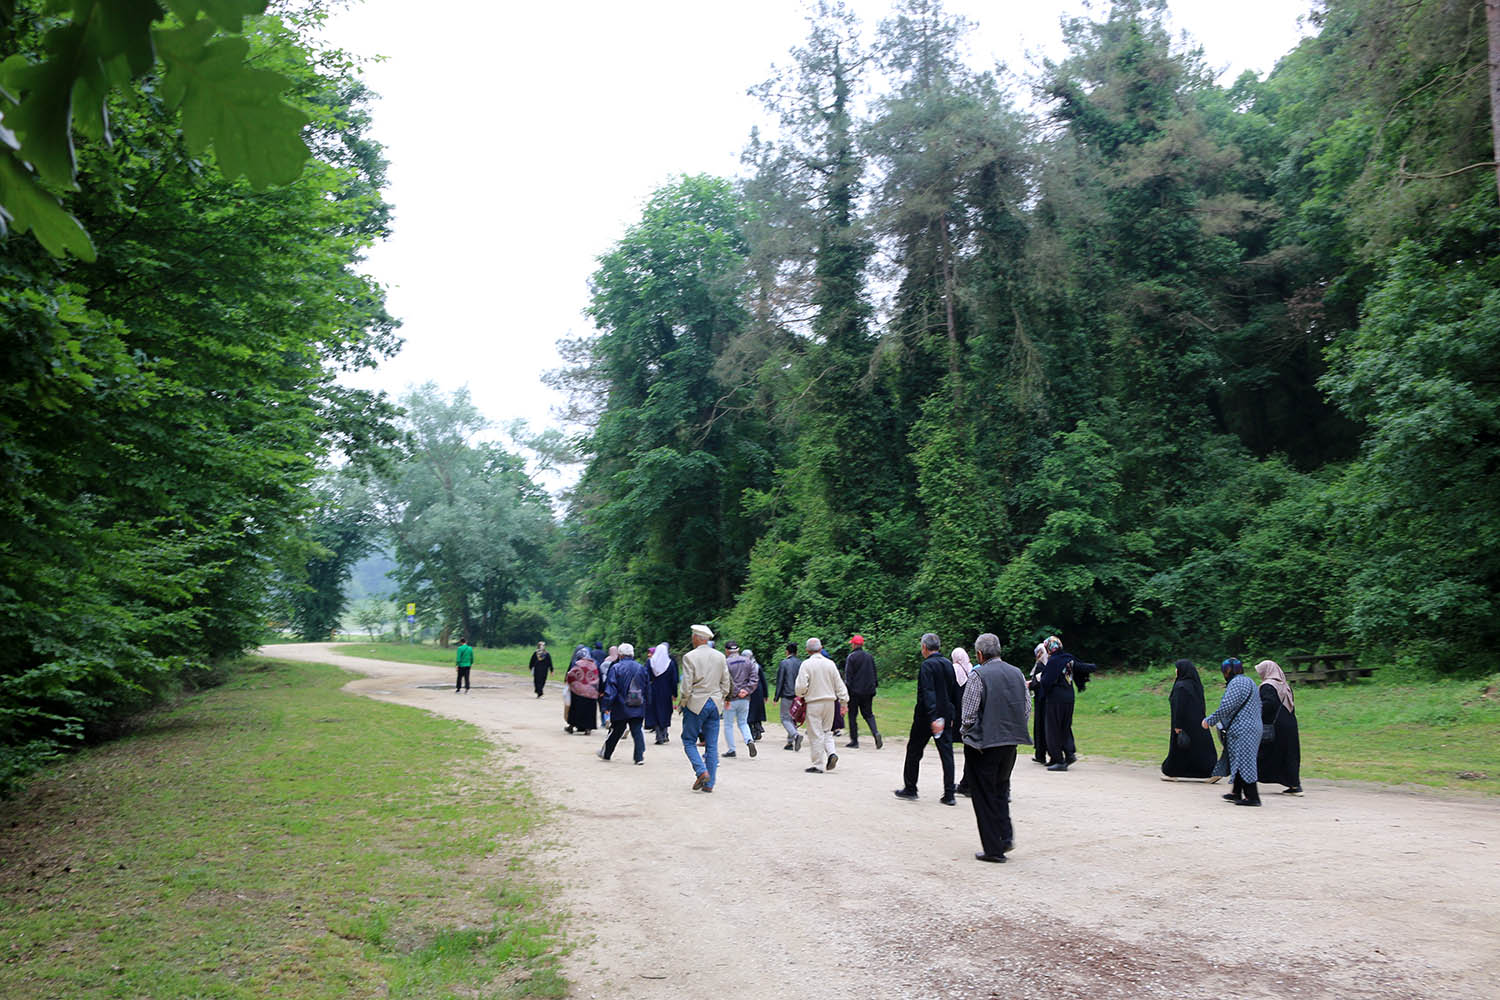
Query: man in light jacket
[
  {"x": 819, "y": 684},
  {"x": 704, "y": 688},
  {"x": 996, "y": 705}
]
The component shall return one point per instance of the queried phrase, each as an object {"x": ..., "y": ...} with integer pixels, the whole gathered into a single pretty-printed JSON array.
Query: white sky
[{"x": 524, "y": 138}]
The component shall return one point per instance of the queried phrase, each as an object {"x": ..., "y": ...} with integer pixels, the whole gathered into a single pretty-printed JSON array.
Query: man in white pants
[{"x": 820, "y": 686}]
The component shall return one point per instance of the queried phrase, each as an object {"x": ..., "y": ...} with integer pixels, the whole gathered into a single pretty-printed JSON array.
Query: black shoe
[
  {"x": 1006, "y": 846},
  {"x": 730, "y": 753},
  {"x": 788, "y": 745},
  {"x": 851, "y": 746},
  {"x": 1057, "y": 767},
  {"x": 833, "y": 760},
  {"x": 1246, "y": 802},
  {"x": 1230, "y": 797},
  {"x": 1071, "y": 759},
  {"x": 797, "y": 743},
  {"x": 906, "y": 793},
  {"x": 639, "y": 762},
  {"x": 964, "y": 791},
  {"x": 752, "y": 749},
  {"x": 994, "y": 859},
  {"x": 1039, "y": 760},
  {"x": 948, "y": 800},
  {"x": 813, "y": 770},
  {"x": 567, "y": 729},
  {"x": 878, "y": 741},
  {"x": 1292, "y": 791}
]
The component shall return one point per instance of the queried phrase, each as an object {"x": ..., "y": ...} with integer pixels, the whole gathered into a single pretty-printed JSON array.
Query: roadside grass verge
[
  {"x": 1442, "y": 733},
  {"x": 277, "y": 837}
]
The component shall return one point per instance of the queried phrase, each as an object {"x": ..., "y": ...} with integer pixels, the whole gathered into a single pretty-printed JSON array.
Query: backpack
[{"x": 634, "y": 696}]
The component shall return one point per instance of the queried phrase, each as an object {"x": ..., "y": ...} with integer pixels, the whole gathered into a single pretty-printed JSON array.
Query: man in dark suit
[{"x": 935, "y": 717}]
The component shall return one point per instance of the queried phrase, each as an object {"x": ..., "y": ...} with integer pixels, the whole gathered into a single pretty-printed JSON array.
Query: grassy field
[
  {"x": 507, "y": 659},
  {"x": 1441, "y": 733},
  {"x": 275, "y": 837}
]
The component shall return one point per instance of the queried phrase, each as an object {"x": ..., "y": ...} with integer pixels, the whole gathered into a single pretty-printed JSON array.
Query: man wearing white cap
[
  {"x": 705, "y": 688},
  {"x": 822, "y": 689}
]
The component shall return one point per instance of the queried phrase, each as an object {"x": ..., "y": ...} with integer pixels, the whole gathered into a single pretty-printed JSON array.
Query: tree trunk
[{"x": 1492, "y": 15}]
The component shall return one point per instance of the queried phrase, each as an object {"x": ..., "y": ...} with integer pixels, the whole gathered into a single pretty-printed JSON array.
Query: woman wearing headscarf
[
  {"x": 962, "y": 668},
  {"x": 757, "y": 697},
  {"x": 1057, "y": 688},
  {"x": 1280, "y": 758},
  {"x": 1190, "y": 749},
  {"x": 583, "y": 685},
  {"x": 1239, "y": 715},
  {"x": 663, "y": 669}
]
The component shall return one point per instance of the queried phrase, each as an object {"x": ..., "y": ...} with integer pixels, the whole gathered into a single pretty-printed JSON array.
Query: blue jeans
[
  {"x": 737, "y": 716},
  {"x": 707, "y": 723}
]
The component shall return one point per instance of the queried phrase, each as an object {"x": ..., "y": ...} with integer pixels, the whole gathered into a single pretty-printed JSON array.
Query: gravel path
[{"x": 783, "y": 883}]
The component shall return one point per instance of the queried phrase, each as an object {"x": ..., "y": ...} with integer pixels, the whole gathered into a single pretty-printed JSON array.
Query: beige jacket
[
  {"x": 705, "y": 675},
  {"x": 819, "y": 680}
]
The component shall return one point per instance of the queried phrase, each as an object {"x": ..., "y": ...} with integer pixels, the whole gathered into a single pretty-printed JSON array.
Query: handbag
[
  {"x": 1268, "y": 732},
  {"x": 1183, "y": 740},
  {"x": 799, "y": 710}
]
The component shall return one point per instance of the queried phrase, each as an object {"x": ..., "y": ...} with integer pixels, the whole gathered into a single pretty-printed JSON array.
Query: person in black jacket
[
  {"x": 861, "y": 680},
  {"x": 1057, "y": 688},
  {"x": 935, "y": 717}
]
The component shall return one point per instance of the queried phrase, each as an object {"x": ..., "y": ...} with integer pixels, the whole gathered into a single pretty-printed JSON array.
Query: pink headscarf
[
  {"x": 962, "y": 668},
  {"x": 1271, "y": 673}
]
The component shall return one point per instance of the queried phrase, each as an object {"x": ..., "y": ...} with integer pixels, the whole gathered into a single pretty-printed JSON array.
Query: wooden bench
[{"x": 1321, "y": 668}]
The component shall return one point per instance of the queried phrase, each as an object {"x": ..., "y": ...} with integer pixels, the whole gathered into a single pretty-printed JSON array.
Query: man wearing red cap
[{"x": 861, "y": 680}]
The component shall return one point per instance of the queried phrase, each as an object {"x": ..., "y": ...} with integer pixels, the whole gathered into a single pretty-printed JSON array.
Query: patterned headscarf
[
  {"x": 1271, "y": 673},
  {"x": 962, "y": 666},
  {"x": 1053, "y": 644}
]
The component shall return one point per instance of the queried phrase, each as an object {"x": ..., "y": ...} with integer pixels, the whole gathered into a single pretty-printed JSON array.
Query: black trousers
[
  {"x": 861, "y": 704},
  {"x": 1039, "y": 727},
  {"x": 989, "y": 786},
  {"x": 916, "y": 744},
  {"x": 540, "y": 677},
  {"x": 617, "y": 729},
  {"x": 1060, "y": 729},
  {"x": 462, "y": 683}
]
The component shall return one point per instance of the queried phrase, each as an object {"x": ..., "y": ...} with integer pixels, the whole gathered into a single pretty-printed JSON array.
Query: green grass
[
  {"x": 1384, "y": 729},
  {"x": 276, "y": 837}
]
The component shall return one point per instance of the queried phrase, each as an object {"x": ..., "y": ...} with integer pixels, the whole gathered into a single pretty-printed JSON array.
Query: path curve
[{"x": 783, "y": 883}]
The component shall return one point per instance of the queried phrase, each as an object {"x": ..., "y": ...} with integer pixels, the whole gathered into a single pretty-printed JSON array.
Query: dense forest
[
  {"x": 1153, "y": 363},
  {"x": 1120, "y": 352}
]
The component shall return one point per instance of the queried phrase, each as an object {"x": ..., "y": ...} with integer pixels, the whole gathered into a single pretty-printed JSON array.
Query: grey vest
[{"x": 1002, "y": 715}]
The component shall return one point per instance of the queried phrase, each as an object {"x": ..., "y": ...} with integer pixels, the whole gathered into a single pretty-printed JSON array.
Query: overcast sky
[{"x": 523, "y": 139}]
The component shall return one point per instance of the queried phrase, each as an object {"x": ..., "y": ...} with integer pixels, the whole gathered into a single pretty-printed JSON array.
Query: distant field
[
  {"x": 1441, "y": 733},
  {"x": 276, "y": 837}
]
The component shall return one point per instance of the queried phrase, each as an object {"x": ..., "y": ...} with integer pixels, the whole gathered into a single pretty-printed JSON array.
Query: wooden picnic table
[{"x": 1320, "y": 668}]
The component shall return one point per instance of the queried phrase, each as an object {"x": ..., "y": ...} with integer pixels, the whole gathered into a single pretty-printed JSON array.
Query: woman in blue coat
[{"x": 1239, "y": 715}]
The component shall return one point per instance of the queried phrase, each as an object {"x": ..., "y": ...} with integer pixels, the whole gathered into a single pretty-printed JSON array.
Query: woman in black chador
[
  {"x": 1280, "y": 758},
  {"x": 1190, "y": 749}
]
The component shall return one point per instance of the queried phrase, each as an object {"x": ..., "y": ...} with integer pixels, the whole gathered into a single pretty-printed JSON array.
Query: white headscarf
[
  {"x": 962, "y": 665},
  {"x": 660, "y": 661}
]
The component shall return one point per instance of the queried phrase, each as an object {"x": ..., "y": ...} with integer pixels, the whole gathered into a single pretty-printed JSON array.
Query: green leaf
[
  {"x": 44, "y": 118},
  {"x": 27, "y": 207},
  {"x": 227, "y": 14},
  {"x": 233, "y": 107}
]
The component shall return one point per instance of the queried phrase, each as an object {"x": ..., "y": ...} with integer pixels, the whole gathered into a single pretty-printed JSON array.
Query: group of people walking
[
  {"x": 1257, "y": 726},
  {"x": 991, "y": 708}
]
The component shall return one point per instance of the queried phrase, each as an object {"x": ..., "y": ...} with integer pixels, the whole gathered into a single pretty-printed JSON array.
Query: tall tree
[{"x": 470, "y": 527}]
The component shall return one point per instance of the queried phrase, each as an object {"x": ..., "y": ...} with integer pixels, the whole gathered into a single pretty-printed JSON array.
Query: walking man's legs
[{"x": 915, "y": 744}]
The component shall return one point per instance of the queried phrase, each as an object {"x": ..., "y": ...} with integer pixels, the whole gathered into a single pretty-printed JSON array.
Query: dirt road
[{"x": 785, "y": 884}]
